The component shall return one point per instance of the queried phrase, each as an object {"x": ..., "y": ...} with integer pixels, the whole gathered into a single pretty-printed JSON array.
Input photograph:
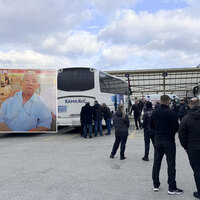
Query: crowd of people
[
  {"x": 160, "y": 125},
  {"x": 95, "y": 113}
]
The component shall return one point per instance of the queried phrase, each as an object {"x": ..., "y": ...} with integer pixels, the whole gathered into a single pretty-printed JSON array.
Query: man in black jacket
[
  {"x": 107, "y": 117},
  {"x": 86, "y": 119},
  {"x": 137, "y": 109},
  {"x": 97, "y": 116},
  {"x": 164, "y": 124},
  {"x": 183, "y": 109},
  {"x": 189, "y": 136},
  {"x": 148, "y": 134}
]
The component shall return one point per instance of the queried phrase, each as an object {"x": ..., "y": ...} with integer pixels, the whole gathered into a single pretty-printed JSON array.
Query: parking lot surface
[{"x": 65, "y": 166}]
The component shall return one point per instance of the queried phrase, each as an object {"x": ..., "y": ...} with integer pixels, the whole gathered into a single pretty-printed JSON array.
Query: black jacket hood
[
  {"x": 118, "y": 113},
  {"x": 195, "y": 113}
]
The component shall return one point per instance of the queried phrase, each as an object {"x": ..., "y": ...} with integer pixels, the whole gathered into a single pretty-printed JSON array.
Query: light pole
[
  {"x": 127, "y": 75},
  {"x": 164, "y": 74}
]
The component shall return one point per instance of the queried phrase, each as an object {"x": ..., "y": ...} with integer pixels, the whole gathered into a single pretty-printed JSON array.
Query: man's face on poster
[{"x": 29, "y": 84}]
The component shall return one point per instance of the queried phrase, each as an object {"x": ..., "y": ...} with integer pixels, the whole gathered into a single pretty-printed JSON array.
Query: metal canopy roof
[{"x": 179, "y": 81}]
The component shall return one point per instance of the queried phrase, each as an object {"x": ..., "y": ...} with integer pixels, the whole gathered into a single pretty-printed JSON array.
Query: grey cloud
[
  {"x": 24, "y": 20},
  {"x": 29, "y": 21},
  {"x": 161, "y": 31},
  {"x": 110, "y": 6},
  {"x": 184, "y": 43}
]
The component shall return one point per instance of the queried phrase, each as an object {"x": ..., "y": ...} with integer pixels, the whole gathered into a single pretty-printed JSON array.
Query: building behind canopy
[{"x": 179, "y": 81}]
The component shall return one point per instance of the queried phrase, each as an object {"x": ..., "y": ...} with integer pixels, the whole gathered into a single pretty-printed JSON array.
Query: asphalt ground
[{"x": 65, "y": 166}]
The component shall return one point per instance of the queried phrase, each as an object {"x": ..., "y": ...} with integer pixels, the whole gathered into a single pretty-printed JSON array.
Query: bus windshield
[{"x": 75, "y": 79}]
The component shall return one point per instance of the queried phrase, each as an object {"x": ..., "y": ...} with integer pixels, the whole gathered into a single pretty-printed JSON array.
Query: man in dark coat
[
  {"x": 121, "y": 124},
  {"x": 86, "y": 119},
  {"x": 107, "y": 117},
  {"x": 164, "y": 125},
  {"x": 137, "y": 109},
  {"x": 183, "y": 109},
  {"x": 175, "y": 106},
  {"x": 141, "y": 103},
  {"x": 157, "y": 105},
  {"x": 189, "y": 135},
  {"x": 97, "y": 116},
  {"x": 148, "y": 134}
]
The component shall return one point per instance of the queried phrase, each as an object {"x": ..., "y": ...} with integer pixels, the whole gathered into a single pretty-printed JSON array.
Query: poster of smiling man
[{"x": 28, "y": 100}]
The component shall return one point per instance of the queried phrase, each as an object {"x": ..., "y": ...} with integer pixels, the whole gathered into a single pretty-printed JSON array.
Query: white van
[{"x": 156, "y": 97}]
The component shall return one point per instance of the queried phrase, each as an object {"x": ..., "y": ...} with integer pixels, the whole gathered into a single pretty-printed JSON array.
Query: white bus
[{"x": 79, "y": 85}]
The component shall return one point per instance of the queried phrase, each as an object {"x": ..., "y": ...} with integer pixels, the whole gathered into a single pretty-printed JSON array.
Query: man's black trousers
[
  {"x": 147, "y": 137},
  {"x": 169, "y": 149},
  {"x": 137, "y": 119},
  {"x": 194, "y": 158},
  {"x": 118, "y": 140}
]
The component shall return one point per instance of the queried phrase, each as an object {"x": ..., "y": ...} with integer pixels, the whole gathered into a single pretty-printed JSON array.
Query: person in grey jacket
[{"x": 121, "y": 125}]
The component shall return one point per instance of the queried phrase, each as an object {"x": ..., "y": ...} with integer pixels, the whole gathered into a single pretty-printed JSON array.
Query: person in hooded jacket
[
  {"x": 121, "y": 125},
  {"x": 97, "y": 116},
  {"x": 148, "y": 134},
  {"x": 189, "y": 136}
]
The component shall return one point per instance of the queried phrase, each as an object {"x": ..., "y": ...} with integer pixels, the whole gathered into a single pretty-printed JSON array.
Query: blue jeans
[
  {"x": 98, "y": 124},
  {"x": 85, "y": 126},
  {"x": 108, "y": 125}
]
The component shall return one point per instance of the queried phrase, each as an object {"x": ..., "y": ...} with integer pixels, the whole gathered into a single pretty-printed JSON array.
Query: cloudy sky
[{"x": 105, "y": 34}]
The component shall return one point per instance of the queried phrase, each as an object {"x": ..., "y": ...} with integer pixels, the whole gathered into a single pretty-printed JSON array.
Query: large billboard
[{"x": 28, "y": 100}]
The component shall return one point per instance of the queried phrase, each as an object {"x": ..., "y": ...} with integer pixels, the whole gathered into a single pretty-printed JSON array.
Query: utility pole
[
  {"x": 127, "y": 75},
  {"x": 164, "y": 74}
]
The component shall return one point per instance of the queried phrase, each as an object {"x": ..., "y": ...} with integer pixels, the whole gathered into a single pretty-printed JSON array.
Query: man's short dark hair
[
  {"x": 164, "y": 98},
  {"x": 194, "y": 102}
]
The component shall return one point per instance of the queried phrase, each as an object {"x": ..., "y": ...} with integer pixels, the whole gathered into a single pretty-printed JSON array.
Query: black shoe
[
  {"x": 196, "y": 195},
  {"x": 145, "y": 158},
  {"x": 95, "y": 135},
  {"x": 107, "y": 134},
  {"x": 111, "y": 156},
  {"x": 175, "y": 191},
  {"x": 90, "y": 137},
  {"x": 137, "y": 128},
  {"x": 122, "y": 158},
  {"x": 85, "y": 137},
  {"x": 101, "y": 134}
]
